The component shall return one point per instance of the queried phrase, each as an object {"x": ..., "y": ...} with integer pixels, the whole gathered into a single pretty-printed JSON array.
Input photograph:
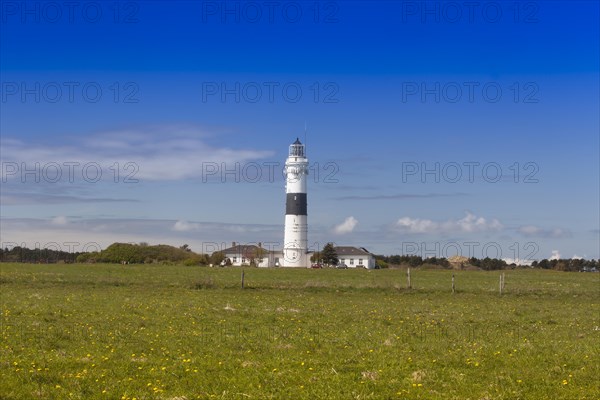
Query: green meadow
[{"x": 179, "y": 332}]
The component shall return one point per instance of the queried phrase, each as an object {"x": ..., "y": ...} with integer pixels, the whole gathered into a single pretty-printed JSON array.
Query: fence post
[
  {"x": 453, "y": 288},
  {"x": 242, "y": 279},
  {"x": 409, "y": 285}
]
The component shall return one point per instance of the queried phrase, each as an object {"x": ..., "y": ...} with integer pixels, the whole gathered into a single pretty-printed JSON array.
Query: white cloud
[
  {"x": 555, "y": 255},
  {"x": 529, "y": 230},
  {"x": 346, "y": 227},
  {"x": 536, "y": 231},
  {"x": 60, "y": 220},
  {"x": 518, "y": 261},
  {"x": 417, "y": 225},
  {"x": 470, "y": 223},
  {"x": 185, "y": 226},
  {"x": 165, "y": 153}
]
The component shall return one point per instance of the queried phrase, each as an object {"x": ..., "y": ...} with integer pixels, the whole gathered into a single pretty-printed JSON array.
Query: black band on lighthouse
[{"x": 295, "y": 204}]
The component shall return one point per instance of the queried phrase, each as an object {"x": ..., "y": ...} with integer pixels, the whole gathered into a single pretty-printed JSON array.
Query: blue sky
[{"x": 499, "y": 101}]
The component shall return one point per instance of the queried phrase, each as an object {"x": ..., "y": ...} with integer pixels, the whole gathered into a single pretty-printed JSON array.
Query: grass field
[{"x": 175, "y": 332}]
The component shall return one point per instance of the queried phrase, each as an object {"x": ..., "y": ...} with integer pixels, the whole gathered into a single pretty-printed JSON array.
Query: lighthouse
[{"x": 295, "y": 243}]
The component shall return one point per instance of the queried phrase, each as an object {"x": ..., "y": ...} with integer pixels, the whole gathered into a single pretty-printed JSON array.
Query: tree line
[
  {"x": 117, "y": 253},
  {"x": 35, "y": 256},
  {"x": 142, "y": 253},
  {"x": 488, "y": 264},
  {"x": 571, "y": 264},
  {"x": 410, "y": 261}
]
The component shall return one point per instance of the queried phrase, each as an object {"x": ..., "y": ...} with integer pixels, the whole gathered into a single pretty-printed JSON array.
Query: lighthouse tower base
[
  {"x": 295, "y": 246},
  {"x": 293, "y": 258}
]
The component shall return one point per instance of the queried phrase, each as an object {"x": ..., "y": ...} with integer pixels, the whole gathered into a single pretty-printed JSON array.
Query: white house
[
  {"x": 250, "y": 254},
  {"x": 355, "y": 257}
]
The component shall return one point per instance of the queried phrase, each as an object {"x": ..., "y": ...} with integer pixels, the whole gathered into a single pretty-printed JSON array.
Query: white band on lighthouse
[{"x": 295, "y": 246}]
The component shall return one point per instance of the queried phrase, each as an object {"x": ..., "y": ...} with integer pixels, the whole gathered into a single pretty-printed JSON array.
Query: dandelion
[{"x": 565, "y": 382}]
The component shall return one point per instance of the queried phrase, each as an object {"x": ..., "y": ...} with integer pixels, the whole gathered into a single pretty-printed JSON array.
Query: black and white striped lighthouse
[{"x": 295, "y": 246}]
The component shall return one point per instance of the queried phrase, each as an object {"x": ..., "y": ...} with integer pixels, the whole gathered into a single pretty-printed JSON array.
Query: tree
[
  {"x": 544, "y": 264},
  {"x": 395, "y": 259},
  {"x": 316, "y": 257},
  {"x": 217, "y": 258},
  {"x": 256, "y": 256},
  {"x": 196, "y": 259},
  {"x": 415, "y": 261},
  {"x": 121, "y": 253},
  {"x": 561, "y": 265},
  {"x": 329, "y": 255},
  {"x": 88, "y": 257},
  {"x": 185, "y": 247}
]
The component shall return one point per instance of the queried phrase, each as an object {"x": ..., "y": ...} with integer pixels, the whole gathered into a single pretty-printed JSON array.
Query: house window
[
  {"x": 352, "y": 261},
  {"x": 234, "y": 259},
  {"x": 243, "y": 260},
  {"x": 360, "y": 261}
]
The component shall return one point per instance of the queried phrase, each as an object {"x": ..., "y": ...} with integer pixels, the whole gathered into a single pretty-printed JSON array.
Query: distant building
[
  {"x": 250, "y": 254},
  {"x": 355, "y": 257}
]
